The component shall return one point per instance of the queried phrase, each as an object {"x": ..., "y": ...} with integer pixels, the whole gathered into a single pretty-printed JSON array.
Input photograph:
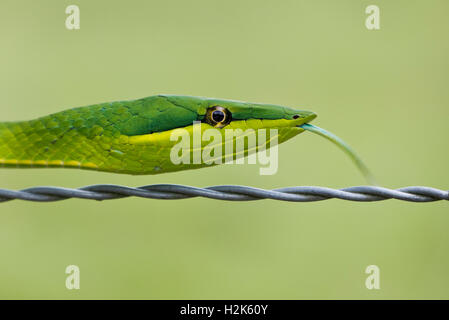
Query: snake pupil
[{"x": 218, "y": 116}]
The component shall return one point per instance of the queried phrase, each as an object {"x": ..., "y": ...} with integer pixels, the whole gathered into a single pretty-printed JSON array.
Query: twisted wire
[{"x": 226, "y": 192}]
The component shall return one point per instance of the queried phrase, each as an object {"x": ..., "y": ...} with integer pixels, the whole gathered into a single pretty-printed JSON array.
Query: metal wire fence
[{"x": 226, "y": 192}]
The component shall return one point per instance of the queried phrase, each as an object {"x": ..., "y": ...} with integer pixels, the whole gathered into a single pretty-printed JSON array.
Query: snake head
[{"x": 219, "y": 113}]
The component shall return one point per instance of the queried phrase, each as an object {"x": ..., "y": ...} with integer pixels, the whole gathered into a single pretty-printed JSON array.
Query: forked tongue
[{"x": 343, "y": 146}]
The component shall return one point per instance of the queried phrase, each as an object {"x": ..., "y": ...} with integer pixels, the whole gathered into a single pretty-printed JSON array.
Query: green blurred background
[{"x": 385, "y": 92}]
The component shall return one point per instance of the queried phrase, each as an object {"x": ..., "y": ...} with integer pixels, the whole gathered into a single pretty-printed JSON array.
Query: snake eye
[{"x": 218, "y": 117}]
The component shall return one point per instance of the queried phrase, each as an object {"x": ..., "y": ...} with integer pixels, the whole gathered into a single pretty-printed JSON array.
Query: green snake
[{"x": 133, "y": 137}]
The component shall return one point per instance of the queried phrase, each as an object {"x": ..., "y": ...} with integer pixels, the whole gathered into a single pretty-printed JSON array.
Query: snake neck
[
  {"x": 29, "y": 144},
  {"x": 13, "y": 143},
  {"x": 18, "y": 144}
]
